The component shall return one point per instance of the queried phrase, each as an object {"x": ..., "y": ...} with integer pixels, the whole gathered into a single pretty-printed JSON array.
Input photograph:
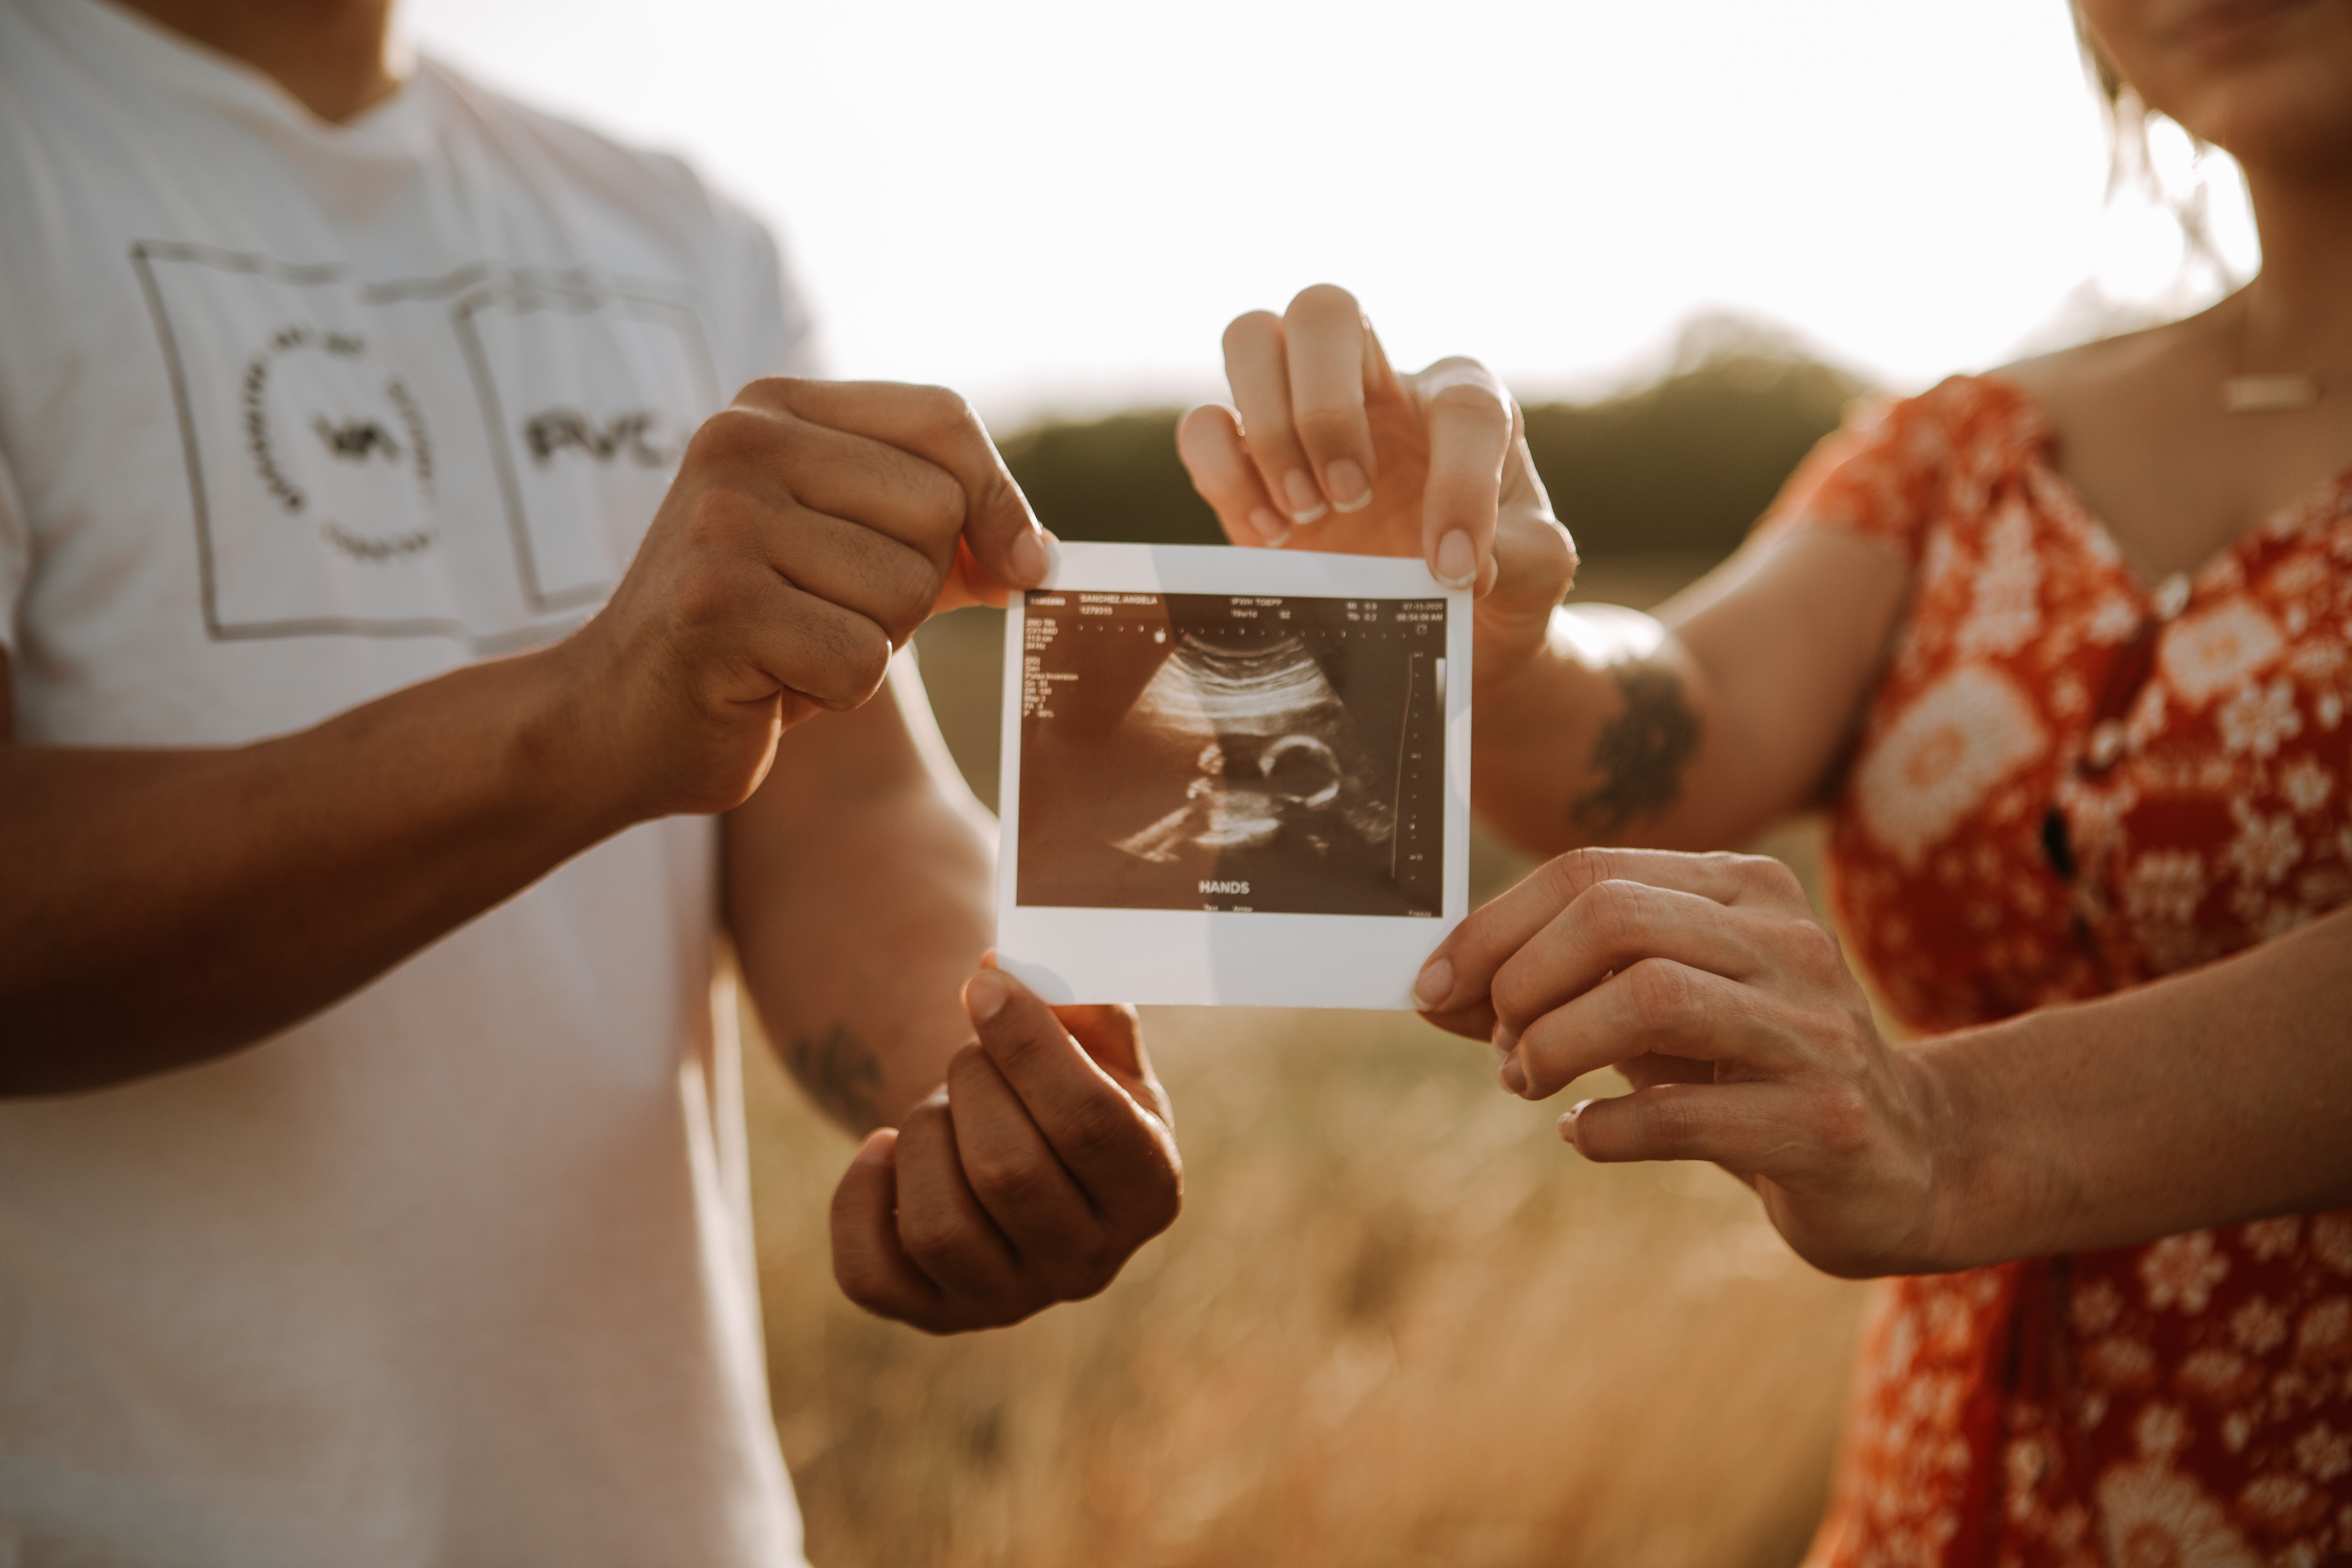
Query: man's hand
[
  {"x": 1030, "y": 1178},
  {"x": 812, "y": 527},
  {"x": 1336, "y": 450},
  {"x": 1706, "y": 980},
  {"x": 160, "y": 908}
]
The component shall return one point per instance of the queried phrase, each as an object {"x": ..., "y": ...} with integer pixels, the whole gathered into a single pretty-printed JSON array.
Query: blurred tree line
[{"x": 1682, "y": 463}]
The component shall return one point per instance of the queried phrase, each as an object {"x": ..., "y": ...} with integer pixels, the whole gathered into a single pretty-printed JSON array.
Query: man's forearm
[
  {"x": 859, "y": 895},
  {"x": 2220, "y": 1094},
  {"x": 162, "y": 908}
]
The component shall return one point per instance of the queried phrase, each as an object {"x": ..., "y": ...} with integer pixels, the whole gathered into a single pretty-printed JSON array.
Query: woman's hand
[
  {"x": 1335, "y": 450},
  {"x": 1706, "y": 980}
]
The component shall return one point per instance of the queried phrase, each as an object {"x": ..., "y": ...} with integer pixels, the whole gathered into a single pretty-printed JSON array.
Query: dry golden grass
[{"x": 1399, "y": 1323}]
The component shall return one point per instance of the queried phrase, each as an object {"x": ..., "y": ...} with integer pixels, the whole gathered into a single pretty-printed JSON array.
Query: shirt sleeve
[
  {"x": 15, "y": 558},
  {"x": 780, "y": 333},
  {"x": 1879, "y": 473}
]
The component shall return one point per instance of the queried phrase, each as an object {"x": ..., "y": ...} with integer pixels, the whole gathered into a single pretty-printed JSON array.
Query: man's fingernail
[
  {"x": 1457, "y": 560},
  {"x": 1270, "y": 528},
  {"x": 875, "y": 1150},
  {"x": 1436, "y": 981},
  {"x": 985, "y": 994},
  {"x": 1347, "y": 488},
  {"x": 1029, "y": 559},
  {"x": 1568, "y": 1123},
  {"x": 1513, "y": 1077},
  {"x": 1307, "y": 503}
]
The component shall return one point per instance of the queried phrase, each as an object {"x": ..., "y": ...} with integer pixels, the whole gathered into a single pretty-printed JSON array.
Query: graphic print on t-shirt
[
  {"x": 614, "y": 421},
  {"x": 472, "y": 456}
]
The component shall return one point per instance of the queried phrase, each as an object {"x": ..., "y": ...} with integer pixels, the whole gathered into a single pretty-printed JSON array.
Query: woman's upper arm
[{"x": 1790, "y": 635}]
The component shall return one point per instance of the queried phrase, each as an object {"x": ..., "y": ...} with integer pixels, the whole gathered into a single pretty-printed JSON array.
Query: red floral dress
[{"x": 2068, "y": 784}]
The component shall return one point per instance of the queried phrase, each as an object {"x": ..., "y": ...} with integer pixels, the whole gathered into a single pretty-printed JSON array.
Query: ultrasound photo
[{"x": 1216, "y": 751}]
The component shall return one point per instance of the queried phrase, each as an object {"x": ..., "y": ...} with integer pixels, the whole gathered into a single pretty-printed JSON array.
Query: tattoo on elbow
[
  {"x": 840, "y": 1074},
  {"x": 1639, "y": 757}
]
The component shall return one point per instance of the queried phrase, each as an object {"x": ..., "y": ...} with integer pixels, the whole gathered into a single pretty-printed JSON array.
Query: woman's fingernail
[
  {"x": 1346, "y": 484},
  {"x": 1457, "y": 560},
  {"x": 1436, "y": 981},
  {"x": 1270, "y": 528},
  {"x": 1307, "y": 503},
  {"x": 875, "y": 1150},
  {"x": 1513, "y": 1077},
  {"x": 1568, "y": 1123},
  {"x": 1029, "y": 558},
  {"x": 985, "y": 994}
]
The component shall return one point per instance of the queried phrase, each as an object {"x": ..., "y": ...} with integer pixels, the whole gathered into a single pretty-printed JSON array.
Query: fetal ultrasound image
[{"x": 1215, "y": 752}]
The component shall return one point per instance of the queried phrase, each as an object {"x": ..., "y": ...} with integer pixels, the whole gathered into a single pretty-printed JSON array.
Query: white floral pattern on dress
[
  {"x": 2218, "y": 650},
  {"x": 2165, "y": 886},
  {"x": 2325, "y": 1454},
  {"x": 2326, "y": 1332},
  {"x": 2273, "y": 1239},
  {"x": 1960, "y": 740},
  {"x": 2331, "y": 1241},
  {"x": 2258, "y": 718},
  {"x": 2187, "y": 1402},
  {"x": 2155, "y": 1516},
  {"x": 2007, "y": 607},
  {"x": 2161, "y": 1431},
  {"x": 2306, "y": 785},
  {"x": 2259, "y": 1325},
  {"x": 2266, "y": 847},
  {"x": 2181, "y": 1270}
]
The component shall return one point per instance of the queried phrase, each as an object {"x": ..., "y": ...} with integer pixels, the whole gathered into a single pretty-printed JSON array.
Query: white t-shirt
[{"x": 292, "y": 415}]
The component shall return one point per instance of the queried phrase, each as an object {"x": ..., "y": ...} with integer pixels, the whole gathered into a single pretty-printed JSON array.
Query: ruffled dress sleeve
[{"x": 1885, "y": 472}]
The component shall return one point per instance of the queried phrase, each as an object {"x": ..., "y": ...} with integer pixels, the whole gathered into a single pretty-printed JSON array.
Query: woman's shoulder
[
  {"x": 2086, "y": 379},
  {"x": 1899, "y": 458},
  {"x": 2019, "y": 408},
  {"x": 1971, "y": 414}
]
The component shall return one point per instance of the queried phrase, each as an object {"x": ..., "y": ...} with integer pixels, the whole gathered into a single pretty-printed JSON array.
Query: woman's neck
[
  {"x": 2297, "y": 314},
  {"x": 330, "y": 53}
]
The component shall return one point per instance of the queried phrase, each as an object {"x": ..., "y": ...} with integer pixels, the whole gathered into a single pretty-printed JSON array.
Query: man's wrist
[{"x": 562, "y": 752}]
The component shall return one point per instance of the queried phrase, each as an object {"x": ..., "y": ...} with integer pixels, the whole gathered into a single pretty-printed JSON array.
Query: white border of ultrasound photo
[{"x": 1233, "y": 958}]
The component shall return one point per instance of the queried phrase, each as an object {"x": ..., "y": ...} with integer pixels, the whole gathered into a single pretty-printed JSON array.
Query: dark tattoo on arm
[
  {"x": 1639, "y": 757},
  {"x": 840, "y": 1074}
]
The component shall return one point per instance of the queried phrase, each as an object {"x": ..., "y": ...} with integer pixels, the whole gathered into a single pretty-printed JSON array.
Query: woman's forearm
[
  {"x": 1618, "y": 733},
  {"x": 1608, "y": 734},
  {"x": 2220, "y": 1094},
  {"x": 1699, "y": 727}
]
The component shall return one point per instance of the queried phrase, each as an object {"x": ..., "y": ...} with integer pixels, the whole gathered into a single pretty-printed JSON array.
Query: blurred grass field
[{"x": 1399, "y": 1322}]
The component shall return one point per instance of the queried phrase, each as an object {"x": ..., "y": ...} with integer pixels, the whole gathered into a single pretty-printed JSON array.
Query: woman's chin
[{"x": 2285, "y": 107}]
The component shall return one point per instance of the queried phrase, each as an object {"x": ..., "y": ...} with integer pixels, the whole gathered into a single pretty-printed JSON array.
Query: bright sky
[{"x": 1058, "y": 203}]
